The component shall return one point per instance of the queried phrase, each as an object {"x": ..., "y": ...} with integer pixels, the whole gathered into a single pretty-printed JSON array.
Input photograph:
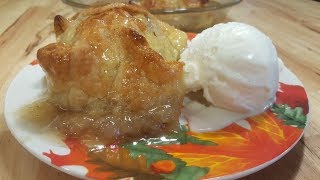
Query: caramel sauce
[
  {"x": 39, "y": 114},
  {"x": 48, "y": 118},
  {"x": 92, "y": 127}
]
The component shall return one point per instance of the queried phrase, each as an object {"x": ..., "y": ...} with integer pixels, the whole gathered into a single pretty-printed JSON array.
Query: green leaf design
[
  {"x": 187, "y": 172},
  {"x": 294, "y": 117},
  {"x": 194, "y": 140},
  {"x": 152, "y": 154},
  {"x": 182, "y": 172}
]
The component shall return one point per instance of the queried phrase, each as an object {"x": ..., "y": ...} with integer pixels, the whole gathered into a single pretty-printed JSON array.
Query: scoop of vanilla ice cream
[{"x": 236, "y": 65}]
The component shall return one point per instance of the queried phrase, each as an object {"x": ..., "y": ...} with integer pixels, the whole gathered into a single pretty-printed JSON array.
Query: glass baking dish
[{"x": 191, "y": 19}]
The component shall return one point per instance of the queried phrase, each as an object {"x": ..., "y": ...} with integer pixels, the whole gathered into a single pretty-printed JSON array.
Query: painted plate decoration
[{"x": 233, "y": 152}]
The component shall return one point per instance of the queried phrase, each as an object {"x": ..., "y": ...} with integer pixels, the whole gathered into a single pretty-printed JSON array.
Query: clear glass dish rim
[{"x": 169, "y": 11}]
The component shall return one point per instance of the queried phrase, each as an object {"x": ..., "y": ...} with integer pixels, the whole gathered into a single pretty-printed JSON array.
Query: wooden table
[{"x": 293, "y": 25}]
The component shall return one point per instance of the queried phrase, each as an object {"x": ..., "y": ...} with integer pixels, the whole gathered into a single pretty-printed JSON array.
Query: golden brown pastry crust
[{"x": 117, "y": 64}]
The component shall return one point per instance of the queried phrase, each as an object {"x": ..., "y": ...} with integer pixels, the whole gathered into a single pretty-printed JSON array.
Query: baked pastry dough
[{"x": 114, "y": 73}]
